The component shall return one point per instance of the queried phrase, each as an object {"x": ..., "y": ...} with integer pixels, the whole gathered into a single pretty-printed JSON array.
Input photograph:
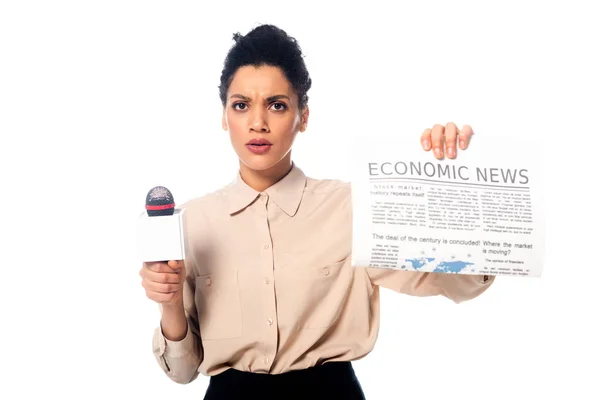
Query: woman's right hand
[{"x": 164, "y": 281}]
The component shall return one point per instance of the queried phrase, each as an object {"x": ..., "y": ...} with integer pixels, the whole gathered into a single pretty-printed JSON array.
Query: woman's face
[{"x": 262, "y": 117}]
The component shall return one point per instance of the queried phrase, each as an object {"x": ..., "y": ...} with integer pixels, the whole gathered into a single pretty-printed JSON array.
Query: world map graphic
[{"x": 445, "y": 266}]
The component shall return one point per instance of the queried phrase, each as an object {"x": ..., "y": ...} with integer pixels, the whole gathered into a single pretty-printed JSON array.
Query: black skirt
[{"x": 333, "y": 380}]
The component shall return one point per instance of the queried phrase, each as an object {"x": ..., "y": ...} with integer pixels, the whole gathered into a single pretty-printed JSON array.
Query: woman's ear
[
  {"x": 224, "y": 121},
  {"x": 304, "y": 119}
]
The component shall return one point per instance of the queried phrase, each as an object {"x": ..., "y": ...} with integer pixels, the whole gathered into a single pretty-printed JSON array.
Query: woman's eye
[
  {"x": 278, "y": 106},
  {"x": 239, "y": 106}
]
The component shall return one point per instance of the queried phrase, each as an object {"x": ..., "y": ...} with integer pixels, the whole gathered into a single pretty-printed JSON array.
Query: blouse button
[
  {"x": 266, "y": 360},
  {"x": 326, "y": 271},
  {"x": 207, "y": 281}
]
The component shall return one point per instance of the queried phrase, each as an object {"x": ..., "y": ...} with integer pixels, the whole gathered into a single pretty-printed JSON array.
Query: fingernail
[
  {"x": 462, "y": 144},
  {"x": 437, "y": 153},
  {"x": 426, "y": 144},
  {"x": 450, "y": 151}
]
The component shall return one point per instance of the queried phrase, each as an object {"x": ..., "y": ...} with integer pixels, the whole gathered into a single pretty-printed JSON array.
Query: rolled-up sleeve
[
  {"x": 456, "y": 287},
  {"x": 180, "y": 359}
]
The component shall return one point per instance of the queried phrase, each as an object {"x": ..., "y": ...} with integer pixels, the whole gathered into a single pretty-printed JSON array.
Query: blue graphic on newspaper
[{"x": 434, "y": 265}]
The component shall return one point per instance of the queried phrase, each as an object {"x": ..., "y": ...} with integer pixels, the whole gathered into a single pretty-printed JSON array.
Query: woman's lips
[{"x": 259, "y": 146}]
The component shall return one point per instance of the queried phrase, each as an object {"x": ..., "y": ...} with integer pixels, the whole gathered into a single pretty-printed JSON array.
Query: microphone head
[{"x": 159, "y": 201}]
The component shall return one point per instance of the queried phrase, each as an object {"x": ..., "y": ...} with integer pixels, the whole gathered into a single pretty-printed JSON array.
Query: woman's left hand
[{"x": 440, "y": 138}]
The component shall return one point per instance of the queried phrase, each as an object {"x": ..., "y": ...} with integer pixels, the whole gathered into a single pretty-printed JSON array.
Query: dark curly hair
[{"x": 267, "y": 45}]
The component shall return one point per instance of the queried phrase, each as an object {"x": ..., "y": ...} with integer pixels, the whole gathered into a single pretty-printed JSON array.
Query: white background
[{"x": 100, "y": 101}]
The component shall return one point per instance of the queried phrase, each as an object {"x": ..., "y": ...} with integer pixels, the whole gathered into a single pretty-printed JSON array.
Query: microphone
[
  {"x": 160, "y": 229},
  {"x": 159, "y": 201}
]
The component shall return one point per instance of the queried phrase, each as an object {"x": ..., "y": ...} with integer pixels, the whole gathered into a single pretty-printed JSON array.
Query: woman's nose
[{"x": 258, "y": 122}]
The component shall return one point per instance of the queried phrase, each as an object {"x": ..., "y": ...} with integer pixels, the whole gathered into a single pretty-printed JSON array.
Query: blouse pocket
[
  {"x": 313, "y": 297},
  {"x": 218, "y": 302}
]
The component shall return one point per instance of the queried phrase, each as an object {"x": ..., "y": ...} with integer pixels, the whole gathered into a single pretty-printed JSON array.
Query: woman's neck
[{"x": 262, "y": 180}]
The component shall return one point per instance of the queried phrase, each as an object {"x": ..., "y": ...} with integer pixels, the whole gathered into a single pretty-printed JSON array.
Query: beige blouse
[{"x": 269, "y": 283}]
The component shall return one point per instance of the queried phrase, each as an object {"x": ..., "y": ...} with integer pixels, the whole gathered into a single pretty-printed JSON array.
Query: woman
[{"x": 267, "y": 303}]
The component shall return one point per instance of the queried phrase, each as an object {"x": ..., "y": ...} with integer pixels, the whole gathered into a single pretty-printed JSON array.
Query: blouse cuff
[{"x": 172, "y": 348}]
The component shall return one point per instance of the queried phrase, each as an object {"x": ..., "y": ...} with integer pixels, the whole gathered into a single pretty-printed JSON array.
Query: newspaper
[{"x": 480, "y": 213}]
